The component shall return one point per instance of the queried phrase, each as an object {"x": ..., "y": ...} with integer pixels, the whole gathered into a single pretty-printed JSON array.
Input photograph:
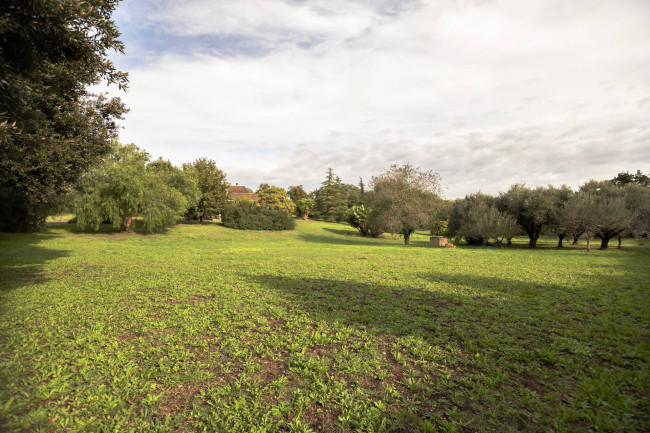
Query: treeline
[
  {"x": 400, "y": 200},
  {"x": 607, "y": 209},
  {"x": 128, "y": 185}
]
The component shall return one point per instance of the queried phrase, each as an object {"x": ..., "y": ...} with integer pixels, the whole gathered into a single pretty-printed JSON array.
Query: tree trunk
[
  {"x": 509, "y": 241},
  {"x": 305, "y": 217},
  {"x": 201, "y": 219},
  {"x": 604, "y": 243},
  {"x": 588, "y": 244},
  {"x": 126, "y": 224},
  {"x": 533, "y": 236},
  {"x": 407, "y": 238},
  {"x": 576, "y": 240},
  {"x": 561, "y": 238},
  {"x": 620, "y": 238}
]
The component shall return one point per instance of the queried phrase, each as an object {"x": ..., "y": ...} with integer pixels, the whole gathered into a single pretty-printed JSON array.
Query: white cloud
[{"x": 485, "y": 93}]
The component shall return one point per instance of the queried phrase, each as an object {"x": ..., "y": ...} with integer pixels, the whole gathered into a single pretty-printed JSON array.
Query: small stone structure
[{"x": 437, "y": 241}]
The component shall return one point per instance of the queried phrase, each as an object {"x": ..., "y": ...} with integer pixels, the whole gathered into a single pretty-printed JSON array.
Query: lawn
[{"x": 203, "y": 328}]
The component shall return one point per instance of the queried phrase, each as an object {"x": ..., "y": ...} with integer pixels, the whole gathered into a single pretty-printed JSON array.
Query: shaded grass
[{"x": 206, "y": 328}]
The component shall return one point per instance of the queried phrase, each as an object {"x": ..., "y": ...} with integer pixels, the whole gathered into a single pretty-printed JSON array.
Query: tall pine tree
[{"x": 331, "y": 201}]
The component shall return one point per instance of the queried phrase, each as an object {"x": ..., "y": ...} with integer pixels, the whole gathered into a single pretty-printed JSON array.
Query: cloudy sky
[{"x": 485, "y": 93}]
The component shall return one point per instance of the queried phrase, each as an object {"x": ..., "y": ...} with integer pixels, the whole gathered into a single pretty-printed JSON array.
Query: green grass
[
  {"x": 203, "y": 328},
  {"x": 58, "y": 219}
]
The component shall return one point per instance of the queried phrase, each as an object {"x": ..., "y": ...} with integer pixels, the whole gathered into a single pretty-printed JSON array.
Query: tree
[
  {"x": 304, "y": 207},
  {"x": 275, "y": 198},
  {"x": 169, "y": 190},
  {"x": 52, "y": 129},
  {"x": 331, "y": 201},
  {"x": 637, "y": 201},
  {"x": 484, "y": 222},
  {"x": 530, "y": 207},
  {"x": 580, "y": 215},
  {"x": 614, "y": 218},
  {"x": 459, "y": 211},
  {"x": 362, "y": 191},
  {"x": 215, "y": 190},
  {"x": 559, "y": 196},
  {"x": 262, "y": 186},
  {"x": 403, "y": 199},
  {"x": 625, "y": 178},
  {"x": 297, "y": 193},
  {"x": 439, "y": 222},
  {"x": 124, "y": 187},
  {"x": 352, "y": 194}
]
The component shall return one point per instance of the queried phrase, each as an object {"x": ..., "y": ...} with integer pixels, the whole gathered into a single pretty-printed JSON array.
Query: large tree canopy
[
  {"x": 276, "y": 198},
  {"x": 532, "y": 208},
  {"x": 215, "y": 190},
  {"x": 638, "y": 178},
  {"x": 125, "y": 186},
  {"x": 403, "y": 199},
  {"x": 52, "y": 129}
]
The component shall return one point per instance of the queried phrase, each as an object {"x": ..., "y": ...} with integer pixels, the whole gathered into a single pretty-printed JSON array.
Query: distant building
[{"x": 239, "y": 192}]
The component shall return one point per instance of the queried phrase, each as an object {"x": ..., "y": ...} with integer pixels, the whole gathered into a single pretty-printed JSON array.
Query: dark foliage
[
  {"x": 51, "y": 128},
  {"x": 246, "y": 216}
]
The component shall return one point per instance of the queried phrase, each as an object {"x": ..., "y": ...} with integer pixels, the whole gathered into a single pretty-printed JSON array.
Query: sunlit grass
[{"x": 206, "y": 328}]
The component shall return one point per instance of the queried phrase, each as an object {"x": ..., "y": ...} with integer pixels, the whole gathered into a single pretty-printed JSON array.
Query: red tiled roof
[{"x": 238, "y": 189}]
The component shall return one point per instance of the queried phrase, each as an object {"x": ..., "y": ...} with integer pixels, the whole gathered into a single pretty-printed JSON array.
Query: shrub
[
  {"x": 357, "y": 217},
  {"x": 438, "y": 228},
  {"x": 244, "y": 216}
]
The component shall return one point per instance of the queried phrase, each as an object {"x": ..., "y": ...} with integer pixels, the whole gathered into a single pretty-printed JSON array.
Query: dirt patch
[
  {"x": 199, "y": 299},
  {"x": 270, "y": 370},
  {"x": 320, "y": 418},
  {"x": 127, "y": 338},
  {"x": 178, "y": 399}
]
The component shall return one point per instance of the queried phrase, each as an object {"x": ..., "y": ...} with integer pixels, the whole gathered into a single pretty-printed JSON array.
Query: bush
[
  {"x": 438, "y": 228},
  {"x": 244, "y": 216},
  {"x": 357, "y": 217}
]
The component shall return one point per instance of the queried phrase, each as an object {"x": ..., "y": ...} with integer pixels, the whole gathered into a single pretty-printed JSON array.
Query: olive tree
[
  {"x": 484, "y": 222},
  {"x": 637, "y": 200},
  {"x": 614, "y": 218},
  {"x": 531, "y": 207},
  {"x": 459, "y": 211},
  {"x": 580, "y": 216}
]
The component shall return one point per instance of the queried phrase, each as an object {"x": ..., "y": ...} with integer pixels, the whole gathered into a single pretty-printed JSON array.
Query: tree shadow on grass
[
  {"x": 110, "y": 230},
  {"x": 463, "y": 307},
  {"x": 22, "y": 259},
  {"x": 344, "y": 237}
]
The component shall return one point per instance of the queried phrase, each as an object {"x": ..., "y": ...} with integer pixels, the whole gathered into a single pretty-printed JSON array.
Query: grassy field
[{"x": 203, "y": 328}]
